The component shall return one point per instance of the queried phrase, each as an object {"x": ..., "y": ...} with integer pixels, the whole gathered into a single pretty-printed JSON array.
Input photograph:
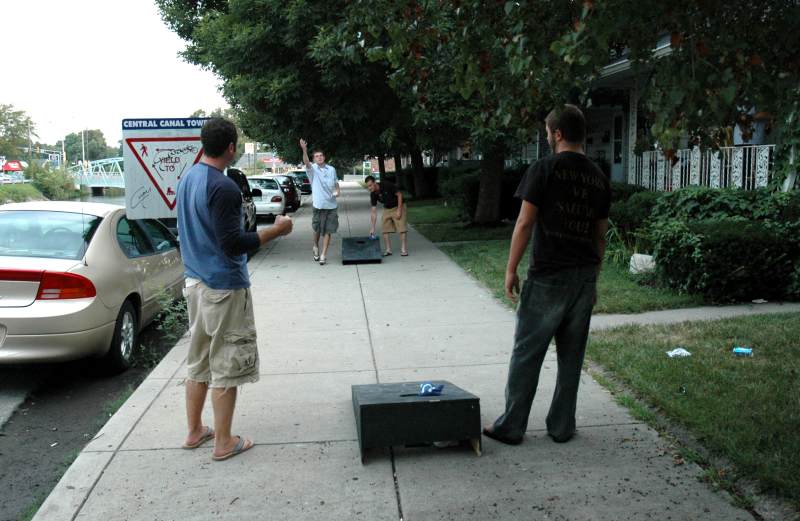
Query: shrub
[
  {"x": 624, "y": 191},
  {"x": 726, "y": 260},
  {"x": 459, "y": 187},
  {"x": 699, "y": 203},
  {"x": 630, "y": 215},
  {"x": 54, "y": 184},
  {"x": 509, "y": 204}
]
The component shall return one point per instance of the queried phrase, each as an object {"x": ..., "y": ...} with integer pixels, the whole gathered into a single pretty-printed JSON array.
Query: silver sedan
[{"x": 80, "y": 279}]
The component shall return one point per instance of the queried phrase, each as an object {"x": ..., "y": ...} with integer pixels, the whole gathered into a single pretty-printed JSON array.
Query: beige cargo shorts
[{"x": 222, "y": 351}]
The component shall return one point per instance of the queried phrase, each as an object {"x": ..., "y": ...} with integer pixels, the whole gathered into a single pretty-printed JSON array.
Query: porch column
[{"x": 633, "y": 115}]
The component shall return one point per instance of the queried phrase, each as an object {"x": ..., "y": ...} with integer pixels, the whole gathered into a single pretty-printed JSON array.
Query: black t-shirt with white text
[
  {"x": 386, "y": 194},
  {"x": 571, "y": 194}
]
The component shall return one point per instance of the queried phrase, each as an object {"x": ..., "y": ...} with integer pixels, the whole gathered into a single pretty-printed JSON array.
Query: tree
[
  {"x": 728, "y": 62},
  {"x": 457, "y": 60},
  {"x": 16, "y": 128},
  {"x": 264, "y": 50},
  {"x": 93, "y": 142}
]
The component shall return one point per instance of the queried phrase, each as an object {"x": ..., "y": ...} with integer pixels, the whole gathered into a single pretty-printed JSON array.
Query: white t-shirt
[{"x": 323, "y": 186}]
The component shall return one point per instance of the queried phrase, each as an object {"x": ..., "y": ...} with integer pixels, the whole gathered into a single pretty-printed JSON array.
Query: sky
[{"x": 91, "y": 63}]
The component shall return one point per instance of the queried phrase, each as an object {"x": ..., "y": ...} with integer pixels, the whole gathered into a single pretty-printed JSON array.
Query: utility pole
[
  {"x": 83, "y": 151},
  {"x": 30, "y": 145}
]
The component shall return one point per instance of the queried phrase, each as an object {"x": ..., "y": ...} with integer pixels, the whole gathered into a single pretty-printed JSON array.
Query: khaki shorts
[
  {"x": 222, "y": 351},
  {"x": 325, "y": 222},
  {"x": 391, "y": 224}
]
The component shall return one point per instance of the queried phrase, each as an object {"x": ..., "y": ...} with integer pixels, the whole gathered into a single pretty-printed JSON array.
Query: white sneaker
[{"x": 322, "y": 261}]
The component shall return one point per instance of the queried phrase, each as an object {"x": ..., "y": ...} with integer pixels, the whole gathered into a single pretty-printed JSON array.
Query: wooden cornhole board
[
  {"x": 394, "y": 414},
  {"x": 361, "y": 250}
]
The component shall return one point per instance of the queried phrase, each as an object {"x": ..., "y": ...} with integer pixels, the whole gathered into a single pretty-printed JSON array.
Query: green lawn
[
  {"x": 19, "y": 193},
  {"x": 617, "y": 290},
  {"x": 746, "y": 409},
  {"x": 483, "y": 252}
]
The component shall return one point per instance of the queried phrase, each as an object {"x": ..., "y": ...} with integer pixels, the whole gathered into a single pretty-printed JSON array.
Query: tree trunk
[
  {"x": 381, "y": 167},
  {"x": 398, "y": 170},
  {"x": 488, "y": 211},
  {"x": 422, "y": 186}
]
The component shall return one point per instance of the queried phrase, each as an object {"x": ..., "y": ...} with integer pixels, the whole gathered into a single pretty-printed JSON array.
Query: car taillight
[
  {"x": 277, "y": 199},
  {"x": 59, "y": 286},
  {"x": 21, "y": 275}
]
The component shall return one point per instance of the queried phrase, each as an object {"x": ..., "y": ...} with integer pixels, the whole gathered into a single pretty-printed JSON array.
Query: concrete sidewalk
[{"x": 413, "y": 318}]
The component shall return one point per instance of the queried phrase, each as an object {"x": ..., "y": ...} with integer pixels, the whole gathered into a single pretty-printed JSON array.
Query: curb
[{"x": 73, "y": 489}]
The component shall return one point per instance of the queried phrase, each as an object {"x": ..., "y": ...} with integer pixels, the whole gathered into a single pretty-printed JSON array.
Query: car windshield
[
  {"x": 42, "y": 233},
  {"x": 264, "y": 184}
]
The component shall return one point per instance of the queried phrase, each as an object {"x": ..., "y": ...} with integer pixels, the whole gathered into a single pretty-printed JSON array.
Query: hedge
[{"x": 728, "y": 260}]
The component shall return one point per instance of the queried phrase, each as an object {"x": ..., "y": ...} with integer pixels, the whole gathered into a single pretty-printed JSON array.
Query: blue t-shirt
[
  {"x": 323, "y": 185},
  {"x": 214, "y": 245}
]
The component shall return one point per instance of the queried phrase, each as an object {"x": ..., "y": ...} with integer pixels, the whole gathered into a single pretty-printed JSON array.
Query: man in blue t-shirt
[
  {"x": 324, "y": 191},
  {"x": 565, "y": 203},
  {"x": 223, "y": 352}
]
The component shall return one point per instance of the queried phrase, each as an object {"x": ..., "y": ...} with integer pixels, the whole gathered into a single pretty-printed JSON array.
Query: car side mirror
[{"x": 256, "y": 192}]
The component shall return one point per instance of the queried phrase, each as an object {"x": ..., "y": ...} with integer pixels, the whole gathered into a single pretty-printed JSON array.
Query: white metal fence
[{"x": 747, "y": 167}]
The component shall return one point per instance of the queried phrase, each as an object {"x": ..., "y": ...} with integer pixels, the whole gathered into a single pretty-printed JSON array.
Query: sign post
[{"x": 156, "y": 153}]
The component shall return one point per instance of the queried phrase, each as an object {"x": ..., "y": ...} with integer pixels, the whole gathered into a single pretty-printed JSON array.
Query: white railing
[{"x": 747, "y": 167}]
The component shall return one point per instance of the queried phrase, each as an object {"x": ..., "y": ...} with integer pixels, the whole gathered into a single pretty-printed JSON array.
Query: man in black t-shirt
[
  {"x": 394, "y": 213},
  {"x": 565, "y": 203}
]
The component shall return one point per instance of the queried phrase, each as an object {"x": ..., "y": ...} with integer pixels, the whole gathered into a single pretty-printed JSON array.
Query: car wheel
[{"x": 123, "y": 343}]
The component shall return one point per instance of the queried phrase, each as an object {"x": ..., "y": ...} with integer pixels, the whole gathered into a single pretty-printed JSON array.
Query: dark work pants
[{"x": 557, "y": 304}]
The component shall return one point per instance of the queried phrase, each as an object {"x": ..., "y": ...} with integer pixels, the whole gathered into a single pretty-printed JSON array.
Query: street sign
[
  {"x": 249, "y": 148},
  {"x": 156, "y": 153}
]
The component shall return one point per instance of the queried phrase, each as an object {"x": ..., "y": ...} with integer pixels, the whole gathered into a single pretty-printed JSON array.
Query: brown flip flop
[
  {"x": 207, "y": 435},
  {"x": 241, "y": 446}
]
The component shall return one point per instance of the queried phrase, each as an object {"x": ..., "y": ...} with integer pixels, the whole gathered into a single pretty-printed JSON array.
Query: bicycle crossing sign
[{"x": 157, "y": 152}]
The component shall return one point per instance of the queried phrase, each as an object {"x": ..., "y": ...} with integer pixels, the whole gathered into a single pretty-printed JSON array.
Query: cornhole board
[
  {"x": 361, "y": 250},
  {"x": 394, "y": 414}
]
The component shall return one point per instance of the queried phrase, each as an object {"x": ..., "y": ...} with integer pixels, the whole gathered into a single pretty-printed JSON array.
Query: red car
[{"x": 290, "y": 191}]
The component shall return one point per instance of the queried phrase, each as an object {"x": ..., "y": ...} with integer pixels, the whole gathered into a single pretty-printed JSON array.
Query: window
[
  {"x": 160, "y": 237},
  {"x": 41, "y": 233},
  {"x": 132, "y": 239},
  {"x": 617, "y": 139},
  {"x": 265, "y": 184}
]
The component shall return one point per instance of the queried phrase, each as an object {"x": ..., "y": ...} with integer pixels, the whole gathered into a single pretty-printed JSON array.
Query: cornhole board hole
[
  {"x": 361, "y": 250},
  {"x": 394, "y": 414}
]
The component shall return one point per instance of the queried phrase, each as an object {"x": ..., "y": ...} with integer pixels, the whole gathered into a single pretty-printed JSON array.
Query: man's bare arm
[
  {"x": 306, "y": 162},
  {"x": 399, "y": 205},
  {"x": 373, "y": 219},
  {"x": 519, "y": 242}
]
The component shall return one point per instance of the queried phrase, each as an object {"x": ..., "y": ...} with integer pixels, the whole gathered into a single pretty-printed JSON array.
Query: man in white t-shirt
[{"x": 324, "y": 191}]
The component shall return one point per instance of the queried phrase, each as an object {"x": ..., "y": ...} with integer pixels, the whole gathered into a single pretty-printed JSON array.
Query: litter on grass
[
  {"x": 742, "y": 351},
  {"x": 678, "y": 352}
]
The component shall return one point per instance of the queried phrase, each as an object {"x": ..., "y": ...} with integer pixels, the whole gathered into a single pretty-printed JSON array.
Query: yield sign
[{"x": 165, "y": 159}]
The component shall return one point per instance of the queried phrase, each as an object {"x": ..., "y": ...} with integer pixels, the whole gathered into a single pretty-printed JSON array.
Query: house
[{"x": 615, "y": 119}]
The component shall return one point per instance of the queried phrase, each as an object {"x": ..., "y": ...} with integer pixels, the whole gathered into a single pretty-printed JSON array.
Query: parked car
[
  {"x": 80, "y": 280},
  {"x": 248, "y": 195},
  {"x": 272, "y": 201},
  {"x": 302, "y": 180},
  {"x": 290, "y": 192},
  {"x": 248, "y": 203}
]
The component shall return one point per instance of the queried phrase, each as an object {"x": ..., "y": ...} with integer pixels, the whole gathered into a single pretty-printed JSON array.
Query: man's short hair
[
  {"x": 217, "y": 134},
  {"x": 368, "y": 179},
  {"x": 317, "y": 151},
  {"x": 570, "y": 121}
]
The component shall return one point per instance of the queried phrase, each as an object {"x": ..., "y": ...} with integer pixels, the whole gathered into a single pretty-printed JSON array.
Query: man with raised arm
[
  {"x": 324, "y": 191},
  {"x": 565, "y": 203},
  {"x": 223, "y": 353}
]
